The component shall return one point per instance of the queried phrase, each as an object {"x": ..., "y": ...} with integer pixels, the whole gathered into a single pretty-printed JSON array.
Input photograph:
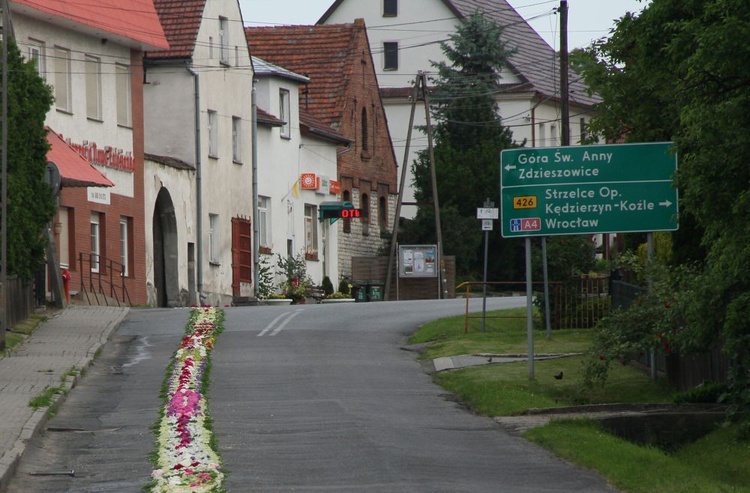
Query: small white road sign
[{"x": 487, "y": 213}]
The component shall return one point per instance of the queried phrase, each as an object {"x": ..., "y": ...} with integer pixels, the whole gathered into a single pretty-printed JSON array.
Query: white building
[
  {"x": 297, "y": 175},
  {"x": 405, "y": 37},
  {"x": 198, "y": 185}
]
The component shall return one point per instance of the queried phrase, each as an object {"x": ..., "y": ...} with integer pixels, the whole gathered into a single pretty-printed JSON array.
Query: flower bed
[{"x": 186, "y": 459}]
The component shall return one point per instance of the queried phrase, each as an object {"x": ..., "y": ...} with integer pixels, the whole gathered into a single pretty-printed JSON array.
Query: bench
[{"x": 317, "y": 293}]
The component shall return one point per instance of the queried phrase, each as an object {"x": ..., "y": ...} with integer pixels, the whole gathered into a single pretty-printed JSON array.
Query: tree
[
  {"x": 468, "y": 136},
  {"x": 676, "y": 72},
  {"x": 30, "y": 202}
]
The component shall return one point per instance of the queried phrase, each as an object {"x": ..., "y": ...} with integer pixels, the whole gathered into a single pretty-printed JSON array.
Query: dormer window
[{"x": 390, "y": 8}]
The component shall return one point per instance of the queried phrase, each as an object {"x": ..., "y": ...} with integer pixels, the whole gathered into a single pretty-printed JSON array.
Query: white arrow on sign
[
  {"x": 509, "y": 167},
  {"x": 666, "y": 203}
]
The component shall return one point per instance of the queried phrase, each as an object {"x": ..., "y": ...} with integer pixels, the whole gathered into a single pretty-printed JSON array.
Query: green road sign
[{"x": 588, "y": 189}]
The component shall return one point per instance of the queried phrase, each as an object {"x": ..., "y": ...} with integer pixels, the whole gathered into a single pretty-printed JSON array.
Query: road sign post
[{"x": 583, "y": 190}]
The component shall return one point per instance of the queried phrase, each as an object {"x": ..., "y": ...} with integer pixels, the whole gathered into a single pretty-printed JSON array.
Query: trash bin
[
  {"x": 359, "y": 291},
  {"x": 375, "y": 291}
]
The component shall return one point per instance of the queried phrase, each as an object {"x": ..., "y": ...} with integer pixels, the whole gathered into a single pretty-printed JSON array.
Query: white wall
[
  {"x": 226, "y": 186},
  {"x": 75, "y": 125},
  {"x": 181, "y": 187},
  {"x": 280, "y": 163}
]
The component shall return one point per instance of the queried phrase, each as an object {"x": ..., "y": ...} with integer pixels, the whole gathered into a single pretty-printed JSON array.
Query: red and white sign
[{"x": 308, "y": 181}]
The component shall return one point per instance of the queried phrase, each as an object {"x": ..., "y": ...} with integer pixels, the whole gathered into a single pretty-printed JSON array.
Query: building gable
[{"x": 534, "y": 62}]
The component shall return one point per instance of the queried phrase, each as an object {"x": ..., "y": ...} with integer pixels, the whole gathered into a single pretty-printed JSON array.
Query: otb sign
[
  {"x": 341, "y": 213},
  {"x": 588, "y": 189}
]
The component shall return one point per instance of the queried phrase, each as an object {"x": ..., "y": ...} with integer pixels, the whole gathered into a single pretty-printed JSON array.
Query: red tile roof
[
  {"x": 74, "y": 169},
  {"x": 134, "y": 20},
  {"x": 322, "y": 53},
  {"x": 181, "y": 20},
  {"x": 267, "y": 119},
  {"x": 314, "y": 127}
]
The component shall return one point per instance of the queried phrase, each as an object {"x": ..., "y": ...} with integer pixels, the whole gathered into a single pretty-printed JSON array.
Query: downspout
[
  {"x": 199, "y": 197},
  {"x": 256, "y": 228}
]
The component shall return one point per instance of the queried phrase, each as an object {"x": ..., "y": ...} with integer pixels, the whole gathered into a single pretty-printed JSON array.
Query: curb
[{"x": 35, "y": 424}]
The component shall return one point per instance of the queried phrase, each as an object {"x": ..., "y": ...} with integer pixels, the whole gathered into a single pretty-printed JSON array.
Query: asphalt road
[{"x": 304, "y": 398}]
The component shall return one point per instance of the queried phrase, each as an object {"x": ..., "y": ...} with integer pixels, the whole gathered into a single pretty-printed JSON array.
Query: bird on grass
[{"x": 559, "y": 376}]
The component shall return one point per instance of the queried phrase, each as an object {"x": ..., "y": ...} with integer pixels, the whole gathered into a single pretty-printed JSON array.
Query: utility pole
[
  {"x": 7, "y": 36},
  {"x": 419, "y": 93},
  {"x": 564, "y": 94}
]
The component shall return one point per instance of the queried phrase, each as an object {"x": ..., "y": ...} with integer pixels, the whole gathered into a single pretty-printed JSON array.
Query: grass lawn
[
  {"x": 21, "y": 330},
  {"x": 719, "y": 462}
]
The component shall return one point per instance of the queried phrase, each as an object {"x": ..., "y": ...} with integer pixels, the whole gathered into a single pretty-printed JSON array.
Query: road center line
[{"x": 276, "y": 320}]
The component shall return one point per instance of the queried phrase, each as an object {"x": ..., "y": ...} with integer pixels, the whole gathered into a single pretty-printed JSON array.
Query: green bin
[
  {"x": 359, "y": 291},
  {"x": 375, "y": 291}
]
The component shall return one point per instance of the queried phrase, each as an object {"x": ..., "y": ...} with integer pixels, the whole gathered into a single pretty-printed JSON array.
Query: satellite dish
[{"x": 53, "y": 178}]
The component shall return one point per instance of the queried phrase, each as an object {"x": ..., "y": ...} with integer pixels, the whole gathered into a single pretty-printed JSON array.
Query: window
[
  {"x": 582, "y": 122},
  {"x": 365, "y": 206},
  {"x": 210, "y": 47},
  {"x": 553, "y": 135},
  {"x": 284, "y": 113},
  {"x": 63, "y": 88},
  {"x": 213, "y": 239},
  {"x": 122, "y": 89},
  {"x": 264, "y": 223},
  {"x": 347, "y": 197},
  {"x": 65, "y": 217},
  {"x": 125, "y": 227},
  {"x": 213, "y": 134},
  {"x": 224, "y": 39},
  {"x": 237, "y": 139},
  {"x": 311, "y": 232},
  {"x": 93, "y": 88},
  {"x": 390, "y": 55},
  {"x": 37, "y": 54},
  {"x": 390, "y": 8},
  {"x": 365, "y": 131},
  {"x": 542, "y": 135},
  {"x": 95, "y": 242},
  {"x": 383, "y": 214}
]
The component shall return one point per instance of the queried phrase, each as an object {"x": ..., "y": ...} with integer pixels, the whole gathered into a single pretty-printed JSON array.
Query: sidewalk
[{"x": 68, "y": 340}]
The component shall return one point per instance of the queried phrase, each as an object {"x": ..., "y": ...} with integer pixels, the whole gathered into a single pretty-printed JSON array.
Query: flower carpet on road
[{"x": 186, "y": 459}]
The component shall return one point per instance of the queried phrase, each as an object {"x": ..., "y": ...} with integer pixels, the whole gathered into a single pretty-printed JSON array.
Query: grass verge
[{"x": 719, "y": 462}]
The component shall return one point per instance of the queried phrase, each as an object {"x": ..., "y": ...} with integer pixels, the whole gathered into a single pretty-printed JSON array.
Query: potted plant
[
  {"x": 343, "y": 295},
  {"x": 267, "y": 293},
  {"x": 296, "y": 283}
]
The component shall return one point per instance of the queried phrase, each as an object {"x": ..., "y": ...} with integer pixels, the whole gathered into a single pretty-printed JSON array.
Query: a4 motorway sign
[{"x": 588, "y": 189}]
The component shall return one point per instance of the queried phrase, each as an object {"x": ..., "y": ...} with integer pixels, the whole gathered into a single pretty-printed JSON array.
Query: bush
[
  {"x": 707, "y": 392},
  {"x": 345, "y": 287},
  {"x": 296, "y": 284},
  {"x": 327, "y": 286}
]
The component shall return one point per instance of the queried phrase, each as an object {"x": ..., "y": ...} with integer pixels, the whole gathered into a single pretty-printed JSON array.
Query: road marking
[{"x": 289, "y": 316}]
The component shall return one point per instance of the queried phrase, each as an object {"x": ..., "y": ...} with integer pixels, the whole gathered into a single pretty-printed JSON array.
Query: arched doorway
[{"x": 166, "y": 280}]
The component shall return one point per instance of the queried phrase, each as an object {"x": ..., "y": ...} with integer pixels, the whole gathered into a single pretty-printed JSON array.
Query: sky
[{"x": 587, "y": 19}]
